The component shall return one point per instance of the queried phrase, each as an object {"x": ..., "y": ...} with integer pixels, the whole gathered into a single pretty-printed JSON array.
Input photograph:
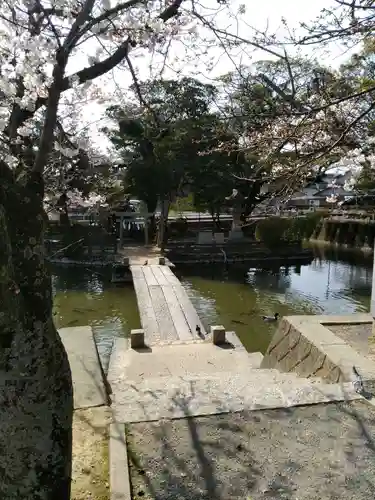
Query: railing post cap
[
  {"x": 217, "y": 328},
  {"x": 136, "y": 331},
  {"x": 218, "y": 334}
]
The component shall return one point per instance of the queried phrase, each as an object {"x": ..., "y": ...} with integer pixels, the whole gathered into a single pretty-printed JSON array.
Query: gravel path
[{"x": 320, "y": 452}]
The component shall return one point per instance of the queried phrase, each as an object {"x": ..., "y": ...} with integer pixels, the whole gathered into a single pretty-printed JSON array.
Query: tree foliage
[
  {"x": 330, "y": 118},
  {"x": 184, "y": 146}
]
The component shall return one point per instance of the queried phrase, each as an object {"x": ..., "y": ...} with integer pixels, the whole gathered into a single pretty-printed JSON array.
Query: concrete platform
[
  {"x": 88, "y": 383},
  {"x": 358, "y": 336},
  {"x": 189, "y": 380}
]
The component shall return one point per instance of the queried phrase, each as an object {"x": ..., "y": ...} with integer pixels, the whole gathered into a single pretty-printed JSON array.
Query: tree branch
[
  {"x": 55, "y": 90},
  {"x": 236, "y": 37},
  {"x": 107, "y": 14},
  {"x": 49, "y": 22},
  {"x": 98, "y": 69},
  {"x": 138, "y": 91},
  {"x": 352, "y": 124},
  {"x": 282, "y": 94},
  {"x": 74, "y": 33}
]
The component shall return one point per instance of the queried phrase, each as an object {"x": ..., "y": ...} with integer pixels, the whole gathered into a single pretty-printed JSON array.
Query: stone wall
[
  {"x": 303, "y": 345},
  {"x": 346, "y": 233}
]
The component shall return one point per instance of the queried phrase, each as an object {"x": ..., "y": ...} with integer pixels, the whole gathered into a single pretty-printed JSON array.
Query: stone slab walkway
[
  {"x": 88, "y": 384},
  {"x": 165, "y": 309}
]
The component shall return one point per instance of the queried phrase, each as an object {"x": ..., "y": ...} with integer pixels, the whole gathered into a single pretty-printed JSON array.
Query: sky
[{"x": 260, "y": 16}]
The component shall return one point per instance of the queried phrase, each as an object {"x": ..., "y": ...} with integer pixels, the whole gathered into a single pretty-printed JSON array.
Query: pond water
[
  {"x": 86, "y": 297},
  {"x": 236, "y": 297}
]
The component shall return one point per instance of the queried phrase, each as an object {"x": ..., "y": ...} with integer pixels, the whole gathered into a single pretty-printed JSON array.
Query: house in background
[{"x": 315, "y": 194}]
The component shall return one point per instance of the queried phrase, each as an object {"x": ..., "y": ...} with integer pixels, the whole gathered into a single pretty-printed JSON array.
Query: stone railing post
[
  {"x": 137, "y": 339},
  {"x": 218, "y": 335}
]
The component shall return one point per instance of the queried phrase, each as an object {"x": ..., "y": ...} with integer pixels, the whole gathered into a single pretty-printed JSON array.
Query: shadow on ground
[{"x": 301, "y": 453}]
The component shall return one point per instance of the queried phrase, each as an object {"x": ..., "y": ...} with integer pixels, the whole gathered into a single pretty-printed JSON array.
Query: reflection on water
[
  {"x": 235, "y": 297},
  {"x": 84, "y": 297},
  {"x": 238, "y": 297}
]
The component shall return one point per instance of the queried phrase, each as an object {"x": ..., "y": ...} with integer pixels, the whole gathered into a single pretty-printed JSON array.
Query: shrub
[
  {"x": 272, "y": 231},
  {"x": 310, "y": 223},
  {"x": 275, "y": 230}
]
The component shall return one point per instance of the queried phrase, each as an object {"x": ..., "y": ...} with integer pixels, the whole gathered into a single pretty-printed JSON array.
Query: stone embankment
[
  {"x": 348, "y": 234},
  {"x": 306, "y": 346}
]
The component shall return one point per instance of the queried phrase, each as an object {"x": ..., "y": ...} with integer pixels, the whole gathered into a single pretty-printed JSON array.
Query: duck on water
[{"x": 270, "y": 319}]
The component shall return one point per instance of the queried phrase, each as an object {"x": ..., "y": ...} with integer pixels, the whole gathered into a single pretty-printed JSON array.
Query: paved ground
[
  {"x": 320, "y": 452},
  {"x": 357, "y": 336}
]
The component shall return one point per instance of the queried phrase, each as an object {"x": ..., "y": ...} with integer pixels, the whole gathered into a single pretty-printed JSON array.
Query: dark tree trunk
[
  {"x": 217, "y": 221},
  {"x": 64, "y": 214},
  {"x": 215, "y": 215},
  {"x": 212, "y": 213},
  {"x": 64, "y": 219},
  {"x": 36, "y": 397},
  {"x": 253, "y": 198}
]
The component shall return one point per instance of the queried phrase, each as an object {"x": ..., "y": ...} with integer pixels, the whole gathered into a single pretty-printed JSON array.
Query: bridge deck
[{"x": 165, "y": 309}]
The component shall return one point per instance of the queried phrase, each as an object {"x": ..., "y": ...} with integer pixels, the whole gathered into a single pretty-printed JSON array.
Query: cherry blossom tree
[
  {"x": 52, "y": 52},
  {"x": 333, "y": 118},
  {"x": 280, "y": 110}
]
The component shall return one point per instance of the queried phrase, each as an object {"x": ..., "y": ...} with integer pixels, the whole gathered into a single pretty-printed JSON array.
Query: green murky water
[
  {"x": 236, "y": 297},
  {"x": 86, "y": 297}
]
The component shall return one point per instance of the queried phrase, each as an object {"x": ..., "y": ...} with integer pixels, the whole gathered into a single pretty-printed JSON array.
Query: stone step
[
  {"x": 178, "y": 380},
  {"x": 178, "y": 397},
  {"x": 254, "y": 359},
  {"x": 231, "y": 339},
  {"x": 185, "y": 358},
  {"x": 292, "y": 376},
  {"x": 177, "y": 359},
  {"x": 178, "y": 342}
]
